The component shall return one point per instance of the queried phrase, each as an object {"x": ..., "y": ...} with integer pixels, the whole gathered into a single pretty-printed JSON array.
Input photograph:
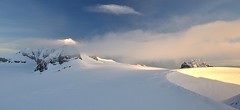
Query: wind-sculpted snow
[
  {"x": 88, "y": 84},
  {"x": 224, "y": 74},
  {"x": 233, "y": 101},
  {"x": 69, "y": 81},
  {"x": 213, "y": 89},
  {"x": 218, "y": 83}
]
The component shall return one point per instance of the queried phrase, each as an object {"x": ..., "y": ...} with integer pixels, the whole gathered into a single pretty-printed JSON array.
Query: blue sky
[
  {"x": 125, "y": 29},
  {"x": 72, "y": 18}
]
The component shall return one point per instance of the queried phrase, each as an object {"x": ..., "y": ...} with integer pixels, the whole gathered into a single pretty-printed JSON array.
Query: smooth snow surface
[
  {"x": 224, "y": 74},
  {"x": 209, "y": 82},
  {"x": 92, "y": 85}
]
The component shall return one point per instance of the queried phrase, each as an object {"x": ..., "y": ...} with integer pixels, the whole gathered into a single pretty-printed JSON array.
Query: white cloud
[
  {"x": 67, "y": 41},
  {"x": 217, "y": 42},
  {"x": 114, "y": 9},
  {"x": 212, "y": 41},
  {"x": 13, "y": 46}
]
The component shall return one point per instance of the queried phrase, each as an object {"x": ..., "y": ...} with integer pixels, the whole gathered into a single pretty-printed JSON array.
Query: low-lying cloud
[
  {"x": 214, "y": 41},
  {"x": 114, "y": 9},
  {"x": 217, "y": 42},
  {"x": 13, "y": 46}
]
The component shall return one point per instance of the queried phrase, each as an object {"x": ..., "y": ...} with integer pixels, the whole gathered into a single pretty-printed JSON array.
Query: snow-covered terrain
[
  {"x": 234, "y": 101},
  {"x": 224, "y": 74},
  {"x": 217, "y": 83},
  {"x": 43, "y": 57},
  {"x": 102, "y": 84}
]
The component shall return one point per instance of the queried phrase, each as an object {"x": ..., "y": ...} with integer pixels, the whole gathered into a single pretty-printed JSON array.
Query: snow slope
[
  {"x": 218, "y": 83},
  {"x": 213, "y": 89},
  {"x": 92, "y": 85},
  {"x": 234, "y": 101},
  {"x": 224, "y": 74}
]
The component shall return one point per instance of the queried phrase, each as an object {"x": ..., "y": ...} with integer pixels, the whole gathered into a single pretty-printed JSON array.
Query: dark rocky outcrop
[
  {"x": 46, "y": 56},
  {"x": 11, "y": 61},
  {"x": 3, "y": 59},
  {"x": 94, "y": 57},
  {"x": 41, "y": 66},
  {"x": 195, "y": 64},
  {"x": 185, "y": 65}
]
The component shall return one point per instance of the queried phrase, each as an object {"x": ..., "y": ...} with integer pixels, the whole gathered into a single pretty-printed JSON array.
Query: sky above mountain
[{"x": 149, "y": 31}]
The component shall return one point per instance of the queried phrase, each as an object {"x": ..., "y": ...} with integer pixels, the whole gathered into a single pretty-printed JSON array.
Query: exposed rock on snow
[
  {"x": 94, "y": 57},
  {"x": 195, "y": 64},
  {"x": 50, "y": 55},
  {"x": 41, "y": 66},
  {"x": 11, "y": 60},
  {"x": 3, "y": 59}
]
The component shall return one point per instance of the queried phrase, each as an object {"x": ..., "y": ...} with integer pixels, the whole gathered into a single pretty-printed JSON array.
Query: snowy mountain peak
[{"x": 45, "y": 56}]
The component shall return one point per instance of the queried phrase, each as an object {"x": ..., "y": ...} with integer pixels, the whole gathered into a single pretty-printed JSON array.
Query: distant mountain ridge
[
  {"x": 11, "y": 60},
  {"x": 44, "y": 56},
  {"x": 54, "y": 56}
]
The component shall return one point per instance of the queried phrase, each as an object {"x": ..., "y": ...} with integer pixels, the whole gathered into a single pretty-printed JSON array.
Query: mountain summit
[{"x": 54, "y": 56}]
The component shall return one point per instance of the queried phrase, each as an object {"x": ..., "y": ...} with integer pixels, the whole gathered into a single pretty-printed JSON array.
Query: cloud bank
[
  {"x": 114, "y": 9},
  {"x": 217, "y": 42}
]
